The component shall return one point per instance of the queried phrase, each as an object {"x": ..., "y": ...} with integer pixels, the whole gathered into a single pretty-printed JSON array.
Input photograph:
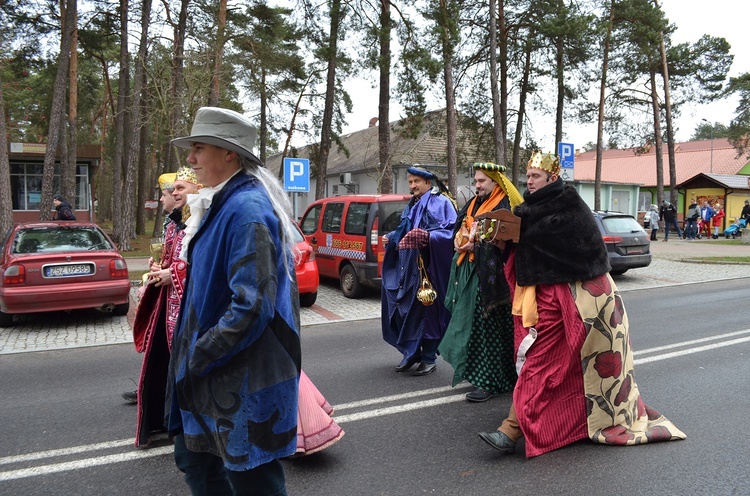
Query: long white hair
[{"x": 282, "y": 207}]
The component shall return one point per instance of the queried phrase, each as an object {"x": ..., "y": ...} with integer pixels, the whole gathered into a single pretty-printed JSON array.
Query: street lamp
[{"x": 712, "y": 146}]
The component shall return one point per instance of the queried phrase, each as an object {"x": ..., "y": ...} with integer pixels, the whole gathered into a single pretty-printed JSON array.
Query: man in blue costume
[
  {"x": 232, "y": 388},
  {"x": 424, "y": 236}
]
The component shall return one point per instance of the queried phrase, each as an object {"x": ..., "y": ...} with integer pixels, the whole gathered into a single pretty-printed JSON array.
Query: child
[
  {"x": 717, "y": 219},
  {"x": 653, "y": 219}
]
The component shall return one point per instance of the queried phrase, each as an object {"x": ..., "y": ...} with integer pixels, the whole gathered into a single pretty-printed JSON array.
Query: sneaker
[{"x": 130, "y": 396}]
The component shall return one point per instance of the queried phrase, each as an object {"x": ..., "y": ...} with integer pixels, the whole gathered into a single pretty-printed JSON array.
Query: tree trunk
[
  {"x": 263, "y": 131},
  {"x": 497, "y": 117},
  {"x": 119, "y": 229},
  {"x": 657, "y": 139},
  {"x": 68, "y": 173},
  {"x": 502, "y": 31},
  {"x": 215, "y": 95},
  {"x": 325, "y": 132},
  {"x": 523, "y": 93},
  {"x": 6, "y": 203},
  {"x": 673, "y": 193},
  {"x": 384, "y": 99},
  {"x": 450, "y": 96},
  {"x": 57, "y": 113},
  {"x": 600, "y": 118}
]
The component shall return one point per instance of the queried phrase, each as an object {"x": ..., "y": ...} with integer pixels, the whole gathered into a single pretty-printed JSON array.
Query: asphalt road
[{"x": 64, "y": 429}]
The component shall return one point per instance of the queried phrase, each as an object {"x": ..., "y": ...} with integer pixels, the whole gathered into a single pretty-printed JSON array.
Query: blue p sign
[
  {"x": 297, "y": 174},
  {"x": 566, "y": 154}
]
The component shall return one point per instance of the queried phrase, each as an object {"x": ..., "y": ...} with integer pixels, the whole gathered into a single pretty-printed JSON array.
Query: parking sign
[
  {"x": 297, "y": 175},
  {"x": 566, "y": 154}
]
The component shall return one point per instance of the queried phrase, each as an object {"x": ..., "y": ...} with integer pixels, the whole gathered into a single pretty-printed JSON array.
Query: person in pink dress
[{"x": 316, "y": 429}]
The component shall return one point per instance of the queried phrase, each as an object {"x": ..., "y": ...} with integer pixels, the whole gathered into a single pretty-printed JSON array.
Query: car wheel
[
  {"x": 121, "y": 310},
  {"x": 618, "y": 272},
  {"x": 350, "y": 285},
  {"x": 6, "y": 319},
  {"x": 308, "y": 299}
]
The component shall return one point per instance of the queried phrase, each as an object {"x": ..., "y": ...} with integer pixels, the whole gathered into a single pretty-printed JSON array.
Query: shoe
[
  {"x": 130, "y": 396},
  {"x": 424, "y": 369},
  {"x": 665, "y": 240},
  {"x": 479, "y": 395},
  {"x": 499, "y": 441},
  {"x": 407, "y": 363}
]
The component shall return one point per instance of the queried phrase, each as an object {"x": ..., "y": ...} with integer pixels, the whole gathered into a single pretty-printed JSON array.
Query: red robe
[{"x": 155, "y": 320}]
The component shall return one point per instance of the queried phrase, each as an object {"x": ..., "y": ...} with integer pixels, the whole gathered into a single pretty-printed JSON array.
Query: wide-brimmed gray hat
[{"x": 223, "y": 128}]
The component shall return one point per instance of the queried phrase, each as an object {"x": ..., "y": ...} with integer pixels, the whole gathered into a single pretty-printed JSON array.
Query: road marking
[
  {"x": 694, "y": 341},
  {"x": 341, "y": 419},
  {"x": 85, "y": 463}
]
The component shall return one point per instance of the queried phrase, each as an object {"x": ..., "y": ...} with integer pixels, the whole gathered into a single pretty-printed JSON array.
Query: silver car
[{"x": 628, "y": 245}]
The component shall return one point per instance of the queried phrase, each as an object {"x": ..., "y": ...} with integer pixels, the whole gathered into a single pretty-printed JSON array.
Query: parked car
[
  {"x": 307, "y": 271},
  {"x": 628, "y": 245},
  {"x": 51, "y": 266},
  {"x": 346, "y": 231}
]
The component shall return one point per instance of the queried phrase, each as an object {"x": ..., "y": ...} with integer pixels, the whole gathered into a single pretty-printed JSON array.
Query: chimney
[{"x": 373, "y": 122}]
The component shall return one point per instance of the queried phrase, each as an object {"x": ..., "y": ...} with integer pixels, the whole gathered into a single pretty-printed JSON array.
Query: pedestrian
[
  {"x": 418, "y": 250},
  {"x": 745, "y": 214},
  {"x": 668, "y": 213},
  {"x": 63, "y": 209},
  {"x": 693, "y": 214},
  {"x": 717, "y": 219},
  {"x": 158, "y": 310},
  {"x": 653, "y": 220},
  {"x": 232, "y": 388},
  {"x": 573, "y": 356},
  {"x": 707, "y": 214},
  {"x": 479, "y": 340},
  {"x": 165, "y": 183}
]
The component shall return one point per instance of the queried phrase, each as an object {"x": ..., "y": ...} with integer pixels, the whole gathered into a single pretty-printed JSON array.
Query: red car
[
  {"x": 52, "y": 266},
  {"x": 307, "y": 271}
]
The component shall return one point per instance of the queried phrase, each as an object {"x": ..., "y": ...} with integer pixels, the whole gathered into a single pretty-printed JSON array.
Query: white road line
[
  {"x": 65, "y": 451},
  {"x": 688, "y": 343},
  {"x": 396, "y": 397},
  {"x": 341, "y": 419},
  {"x": 84, "y": 463},
  {"x": 381, "y": 412},
  {"x": 690, "y": 351}
]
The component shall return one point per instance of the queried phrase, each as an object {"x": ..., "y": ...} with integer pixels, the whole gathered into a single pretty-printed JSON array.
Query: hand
[
  {"x": 160, "y": 278},
  {"x": 385, "y": 240}
]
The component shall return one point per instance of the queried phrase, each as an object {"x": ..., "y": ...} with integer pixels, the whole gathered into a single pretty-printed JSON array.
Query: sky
[{"x": 693, "y": 19}]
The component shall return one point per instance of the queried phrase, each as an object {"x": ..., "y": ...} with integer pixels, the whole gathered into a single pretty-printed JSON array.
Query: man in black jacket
[{"x": 668, "y": 213}]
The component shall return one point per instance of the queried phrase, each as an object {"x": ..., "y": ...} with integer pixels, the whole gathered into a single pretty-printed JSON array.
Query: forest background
[{"x": 67, "y": 78}]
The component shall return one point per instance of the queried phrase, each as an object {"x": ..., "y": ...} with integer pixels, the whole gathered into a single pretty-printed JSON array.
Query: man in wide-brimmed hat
[{"x": 233, "y": 377}]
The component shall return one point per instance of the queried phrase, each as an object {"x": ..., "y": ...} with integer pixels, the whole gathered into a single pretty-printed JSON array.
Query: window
[
  {"x": 644, "y": 201},
  {"x": 391, "y": 212},
  {"x": 310, "y": 222},
  {"x": 26, "y": 186},
  {"x": 356, "y": 218},
  {"x": 332, "y": 217}
]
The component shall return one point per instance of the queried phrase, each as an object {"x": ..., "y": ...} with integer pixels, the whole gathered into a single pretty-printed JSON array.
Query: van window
[
  {"x": 356, "y": 218},
  {"x": 391, "y": 212},
  {"x": 332, "y": 217},
  {"x": 310, "y": 222}
]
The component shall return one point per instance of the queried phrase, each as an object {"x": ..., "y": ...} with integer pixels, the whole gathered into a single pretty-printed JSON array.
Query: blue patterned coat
[{"x": 235, "y": 363}]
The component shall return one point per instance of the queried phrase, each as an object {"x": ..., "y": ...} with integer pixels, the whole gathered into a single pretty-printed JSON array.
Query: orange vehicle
[{"x": 346, "y": 233}]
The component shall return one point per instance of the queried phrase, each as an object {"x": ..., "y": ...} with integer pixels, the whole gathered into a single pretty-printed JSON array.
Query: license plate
[
  {"x": 632, "y": 250},
  {"x": 68, "y": 270}
]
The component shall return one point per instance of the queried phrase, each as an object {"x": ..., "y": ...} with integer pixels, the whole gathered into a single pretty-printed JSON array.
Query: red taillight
[
  {"x": 612, "y": 240},
  {"x": 118, "y": 269},
  {"x": 14, "y": 275},
  {"x": 374, "y": 237}
]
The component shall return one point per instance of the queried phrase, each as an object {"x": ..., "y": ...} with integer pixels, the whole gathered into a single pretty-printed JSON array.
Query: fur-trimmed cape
[{"x": 560, "y": 241}]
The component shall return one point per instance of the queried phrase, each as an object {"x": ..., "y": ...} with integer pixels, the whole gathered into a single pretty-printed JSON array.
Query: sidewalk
[{"x": 58, "y": 330}]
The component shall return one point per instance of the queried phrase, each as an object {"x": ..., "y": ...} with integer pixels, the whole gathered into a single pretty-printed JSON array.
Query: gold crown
[
  {"x": 166, "y": 181},
  {"x": 186, "y": 174},
  {"x": 544, "y": 161}
]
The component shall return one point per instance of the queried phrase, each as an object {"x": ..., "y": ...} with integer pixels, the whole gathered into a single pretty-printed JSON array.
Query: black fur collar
[{"x": 560, "y": 241}]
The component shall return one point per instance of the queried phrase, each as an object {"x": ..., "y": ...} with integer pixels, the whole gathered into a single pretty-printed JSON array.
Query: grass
[{"x": 723, "y": 259}]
